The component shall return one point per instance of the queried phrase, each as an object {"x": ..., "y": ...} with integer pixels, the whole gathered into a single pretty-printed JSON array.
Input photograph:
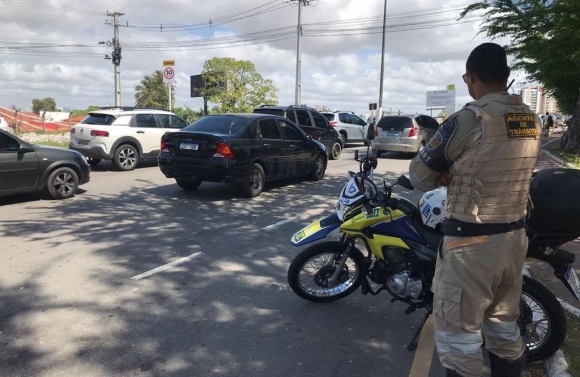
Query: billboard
[{"x": 441, "y": 98}]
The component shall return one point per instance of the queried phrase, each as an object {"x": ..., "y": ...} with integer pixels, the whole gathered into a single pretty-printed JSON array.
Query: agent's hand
[{"x": 444, "y": 179}]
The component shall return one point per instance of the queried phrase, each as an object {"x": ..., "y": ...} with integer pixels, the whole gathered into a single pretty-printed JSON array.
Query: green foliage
[
  {"x": 236, "y": 86},
  {"x": 187, "y": 114},
  {"x": 152, "y": 92},
  {"x": 545, "y": 41},
  {"x": 76, "y": 113},
  {"x": 47, "y": 104}
]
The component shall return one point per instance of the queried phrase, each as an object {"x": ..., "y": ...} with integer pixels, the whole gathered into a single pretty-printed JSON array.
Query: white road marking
[
  {"x": 551, "y": 141},
  {"x": 279, "y": 224},
  {"x": 166, "y": 266}
]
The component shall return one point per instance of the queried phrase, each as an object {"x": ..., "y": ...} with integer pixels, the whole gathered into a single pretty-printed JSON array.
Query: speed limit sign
[{"x": 168, "y": 71}]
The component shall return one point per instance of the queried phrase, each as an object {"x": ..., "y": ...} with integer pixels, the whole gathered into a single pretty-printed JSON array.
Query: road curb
[
  {"x": 558, "y": 159},
  {"x": 557, "y": 366}
]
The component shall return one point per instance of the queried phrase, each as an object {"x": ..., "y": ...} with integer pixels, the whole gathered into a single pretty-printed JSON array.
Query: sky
[{"x": 49, "y": 48}]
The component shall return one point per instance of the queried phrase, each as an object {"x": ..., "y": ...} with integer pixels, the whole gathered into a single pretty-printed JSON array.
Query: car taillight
[
  {"x": 333, "y": 123},
  {"x": 72, "y": 131},
  {"x": 223, "y": 150},
  {"x": 163, "y": 145},
  {"x": 100, "y": 133},
  {"x": 414, "y": 132}
]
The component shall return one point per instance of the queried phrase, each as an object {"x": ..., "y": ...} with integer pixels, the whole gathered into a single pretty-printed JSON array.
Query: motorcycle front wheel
[
  {"x": 542, "y": 321},
  {"x": 310, "y": 270}
]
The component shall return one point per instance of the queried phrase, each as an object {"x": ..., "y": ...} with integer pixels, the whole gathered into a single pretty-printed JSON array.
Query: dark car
[
  {"x": 27, "y": 167},
  {"x": 312, "y": 122},
  {"x": 241, "y": 149}
]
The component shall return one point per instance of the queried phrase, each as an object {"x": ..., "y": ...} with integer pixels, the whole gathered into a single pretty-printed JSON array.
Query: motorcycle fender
[{"x": 316, "y": 231}]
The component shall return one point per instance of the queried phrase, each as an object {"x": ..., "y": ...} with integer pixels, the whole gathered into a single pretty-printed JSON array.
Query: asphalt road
[{"x": 68, "y": 306}]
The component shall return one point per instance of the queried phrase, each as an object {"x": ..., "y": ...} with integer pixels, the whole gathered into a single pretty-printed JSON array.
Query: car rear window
[
  {"x": 219, "y": 124},
  {"x": 99, "y": 119},
  {"x": 394, "y": 123},
  {"x": 278, "y": 112},
  {"x": 330, "y": 117}
]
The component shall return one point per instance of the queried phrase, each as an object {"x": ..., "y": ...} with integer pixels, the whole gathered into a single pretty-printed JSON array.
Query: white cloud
[{"x": 339, "y": 71}]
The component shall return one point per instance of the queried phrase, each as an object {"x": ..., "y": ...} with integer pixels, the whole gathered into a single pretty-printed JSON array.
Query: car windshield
[
  {"x": 99, "y": 119},
  {"x": 330, "y": 117},
  {"x": 395, "y": 123},
  {"x": 219, "y": 124}
]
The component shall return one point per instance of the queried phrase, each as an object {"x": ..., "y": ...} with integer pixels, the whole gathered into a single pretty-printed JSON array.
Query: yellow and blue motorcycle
[{"x": 401, "y": 257}]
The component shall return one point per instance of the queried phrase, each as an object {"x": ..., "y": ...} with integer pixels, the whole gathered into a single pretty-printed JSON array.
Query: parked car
[
  {"x": 122, "y": 136},
  {"x": 27, "y": 167},
  {"x": 5, "y": 126},
  {"x": 559, "y": 121},
  {"x": 311, "y": 122},
  {"x": 403, "y": 133},
  {"x": 245, "y": 150},
  {"x": 349, "y": 125}
]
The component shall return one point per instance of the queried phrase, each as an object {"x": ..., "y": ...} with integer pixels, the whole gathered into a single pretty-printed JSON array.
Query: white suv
[
  {"x": 351, "y": 127},
  {"x": 123, "y": 135}
]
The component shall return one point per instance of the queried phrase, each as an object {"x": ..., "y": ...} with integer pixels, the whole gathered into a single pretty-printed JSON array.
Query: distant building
[
  {"x": 538, "y": 100},
  {"x": 323, "y": 108}
]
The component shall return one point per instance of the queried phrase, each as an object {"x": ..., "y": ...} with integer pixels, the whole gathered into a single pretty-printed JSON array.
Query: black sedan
[
  {"x": 26, "y": 167},
  {"x": 241, "y": 149}
]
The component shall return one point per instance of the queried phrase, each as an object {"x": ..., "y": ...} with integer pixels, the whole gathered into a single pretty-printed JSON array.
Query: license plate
[
  {"x": 83, "y": 142},
  {"x": 572, "y": 279},
  {"x": 190, "y": 146},
  {"x": 391, "y": 134}
]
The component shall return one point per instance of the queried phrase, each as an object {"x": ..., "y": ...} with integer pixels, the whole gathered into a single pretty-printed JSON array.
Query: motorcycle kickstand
[{"x": 413, "y": 345}]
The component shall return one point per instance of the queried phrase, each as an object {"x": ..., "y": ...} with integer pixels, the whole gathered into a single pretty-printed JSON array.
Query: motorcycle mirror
[
  {"x": 405, "y": 182},
  {"x": 356, "y": 155},
  {"x": 371, "y": 132}
]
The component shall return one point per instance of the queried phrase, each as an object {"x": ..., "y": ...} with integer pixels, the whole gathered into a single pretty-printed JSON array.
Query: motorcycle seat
[{"x": 431, "y": 236}]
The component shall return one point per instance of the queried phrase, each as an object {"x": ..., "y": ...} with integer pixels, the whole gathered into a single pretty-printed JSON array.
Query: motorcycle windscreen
[{"x": 316, "y": 231}]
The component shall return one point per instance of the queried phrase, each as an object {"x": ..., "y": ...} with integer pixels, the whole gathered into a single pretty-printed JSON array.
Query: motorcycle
[{"x": 401, "y": 257}]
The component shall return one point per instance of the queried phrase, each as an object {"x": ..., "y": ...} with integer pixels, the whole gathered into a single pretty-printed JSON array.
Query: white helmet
[{"x": 432, "y": 206}]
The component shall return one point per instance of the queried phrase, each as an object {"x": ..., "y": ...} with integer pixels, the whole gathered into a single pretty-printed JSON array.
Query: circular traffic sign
[{"x": 168, "y": 73}]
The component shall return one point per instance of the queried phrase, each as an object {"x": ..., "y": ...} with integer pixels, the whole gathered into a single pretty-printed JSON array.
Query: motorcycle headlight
[{"x": 341, "y": 209}]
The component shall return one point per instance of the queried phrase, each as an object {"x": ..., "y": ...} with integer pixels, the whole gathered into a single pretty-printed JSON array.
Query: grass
[
  {"x": 52, "y": 143},
  {"x": 571, "y": 346},
  {"x": 567, "y": 157}
]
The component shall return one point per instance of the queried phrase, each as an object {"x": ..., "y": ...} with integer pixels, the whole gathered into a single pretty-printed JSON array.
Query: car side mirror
[
  {"x": 25, "y": 149},
  {"x": 371, "y": 132},
  {"x": 405, "y": 182},
  {"x": 307, "y": 137}
]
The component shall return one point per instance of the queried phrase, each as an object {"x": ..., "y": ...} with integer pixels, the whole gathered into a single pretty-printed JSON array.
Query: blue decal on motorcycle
[
  {"x": 426, "y": 210},
  {"x": 400, "y": 228}
]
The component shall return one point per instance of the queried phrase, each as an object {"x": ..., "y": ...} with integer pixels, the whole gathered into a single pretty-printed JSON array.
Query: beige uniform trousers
[{"x": 477, "y": 288}]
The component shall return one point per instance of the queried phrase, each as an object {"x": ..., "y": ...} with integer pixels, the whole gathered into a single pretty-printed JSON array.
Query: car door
[
  {"x": 18, "y": 171},
  {"x": 359, "y": 128},
  {"x": 273, "y": 148},
  {"x": 299, "y": 151},
  {"x": 327, "y": 134},
  {"x": 145, "y": 129}
]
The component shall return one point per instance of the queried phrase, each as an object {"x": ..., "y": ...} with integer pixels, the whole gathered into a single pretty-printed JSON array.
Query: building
[
  {"x": 538, "y": 100},
  {"x": 323, "y": 108}
]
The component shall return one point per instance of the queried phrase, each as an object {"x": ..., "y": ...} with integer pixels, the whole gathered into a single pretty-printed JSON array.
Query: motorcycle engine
[{"x": 400, "y": 280}]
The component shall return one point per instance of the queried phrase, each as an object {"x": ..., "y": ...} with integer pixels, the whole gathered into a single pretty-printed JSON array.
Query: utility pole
[
  {"x": 298, "y": 95},
  {"x": 116, "y": 55},
  {"x": 380, "y": 111}
]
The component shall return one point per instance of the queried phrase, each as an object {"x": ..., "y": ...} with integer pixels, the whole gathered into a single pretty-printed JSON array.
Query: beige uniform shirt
[{"x": 454, "y": 136}]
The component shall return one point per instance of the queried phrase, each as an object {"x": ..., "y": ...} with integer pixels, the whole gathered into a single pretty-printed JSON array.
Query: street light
[{"x": 439, "y": 68}]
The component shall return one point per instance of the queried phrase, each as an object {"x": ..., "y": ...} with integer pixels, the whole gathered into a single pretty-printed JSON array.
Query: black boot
[
  {"x": 451, "y": 373},
  {"x": 507, "y": 368}
]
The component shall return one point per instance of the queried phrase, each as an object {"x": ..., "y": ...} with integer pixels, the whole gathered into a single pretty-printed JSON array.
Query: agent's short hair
[{"x": 489, "y": 62}]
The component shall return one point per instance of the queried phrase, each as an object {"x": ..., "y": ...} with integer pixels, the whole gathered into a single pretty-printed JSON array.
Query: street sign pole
[{"x": 169, "y": 78}]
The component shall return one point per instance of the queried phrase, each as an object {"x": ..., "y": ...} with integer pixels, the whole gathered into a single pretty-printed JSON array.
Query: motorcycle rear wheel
[
  {"x": 309, "y": 272},
  {"x": 542, "y": 321}
]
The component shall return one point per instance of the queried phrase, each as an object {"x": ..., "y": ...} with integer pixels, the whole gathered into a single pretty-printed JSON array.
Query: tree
[
  {"x": 77, "y": 113},
  {"x": 152, "y": 92},
  {"x": 47, "y": 104},
  {"x": 236, "y": 86},
  {"x": 187, "y": 114},
  {"x": 545, "y": 43}
]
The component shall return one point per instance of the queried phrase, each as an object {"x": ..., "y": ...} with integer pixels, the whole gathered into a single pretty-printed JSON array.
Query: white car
[
  {"x": 351, "y": 127},
  {"x": 122, "y": 135},
  {"x": 5, "y": 127}
]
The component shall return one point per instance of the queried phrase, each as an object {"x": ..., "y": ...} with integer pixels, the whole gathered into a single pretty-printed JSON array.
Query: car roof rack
[{"x": 130, "y": 108}]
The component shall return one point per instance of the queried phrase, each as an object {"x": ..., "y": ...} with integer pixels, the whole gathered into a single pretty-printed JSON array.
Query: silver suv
[
  {"x": 403, "y": 133},
  {"x": 351, "y": 127}
]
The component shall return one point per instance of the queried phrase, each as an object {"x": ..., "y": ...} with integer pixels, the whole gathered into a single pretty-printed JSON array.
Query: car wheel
[
  {"x": 318, "y": 169},
  {"x": 335, "y": 152},
  {"x": 188, "y": 185},
  {"x": 126, "y": 157},
  {"x": 254, "y": 181},
  {"x": 93, "y": 161},
  {"x": 379, "y": 153},
  {"x": 62, "y": 183},
  {"x": 343, "y": 137}
]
